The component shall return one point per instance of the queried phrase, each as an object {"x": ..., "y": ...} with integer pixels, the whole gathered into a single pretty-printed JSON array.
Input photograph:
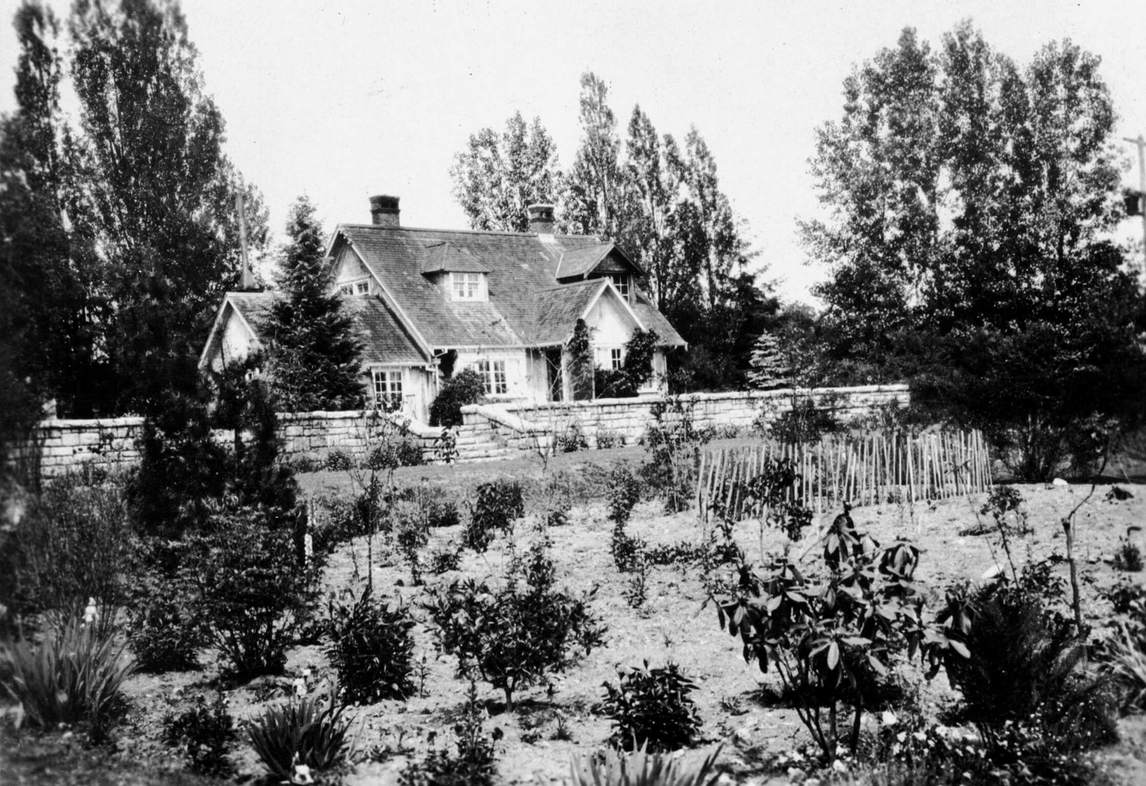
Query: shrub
[
  {"x": 571, "y": 439},
  {"x": 1126, "y": 665},
  {"x": 307, "y": 463},
  {"x": 774, "y": 493},
  {"x": 628, "y": 552},
  {"x": 474, "y": 763},
  {"x": 203, "y": 732},
  {"x": 671, "y": 440},
  {"x": 304, "y": 731},
  {"x": 624, "y": 494},
  {"x": 803, "y": 422},
  {"x": 371, "y": 648},
  {"x": 73, "y": 544},
  {"x": 339, "y": 461},
  {"x": 165, "y": 629},
  {"x": 609, "y": 439},
  {"x": 827, "y": 639},
  {"x": 652, "y": 709},
  {"x": 73, "y": 676},
  {"x": 1015, "y": 660},
  {"x": 253, "y": 592},
  {"x": 496, "y": 506},
  {"x": 514, "y": 635},
  {"x": 1128, "y": 557},
  {"x": 1124, "y": 595},
  {"x": 445, "y": 560},
  {"x": 612, "y": 767},
  {"x": 398, "y": 451},
  {"x": 465, "y": 387}
]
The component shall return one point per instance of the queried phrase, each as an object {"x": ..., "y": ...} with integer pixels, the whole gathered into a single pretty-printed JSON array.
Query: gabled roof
[
  {"x": 580, "y": 262},
  {"x": 446, "y": 257},
  {"x": 522, "y": 268},
  {"x": 558, "y": 309},
  {"x": 383, "y": 338}
]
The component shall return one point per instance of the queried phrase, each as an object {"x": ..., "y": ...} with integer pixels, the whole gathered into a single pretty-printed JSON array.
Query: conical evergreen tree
[
  {"x": 315, "y": 356},
  {"x": 770, "y": 368}
]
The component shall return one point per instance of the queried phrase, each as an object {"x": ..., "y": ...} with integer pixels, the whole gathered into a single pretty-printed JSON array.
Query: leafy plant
[
  {"x": 613, "y": 767},
  {"x": 73, "y": 676},
  {"x": 652, "y": 709},
  {"x": 203, "y": 732},
  {"x": 253, "y": 593},
  {"x": 445, "y": 560},
  {"x": 624, "y": 494},
  {"x": 571, "y": 439},
  {"x": 307, "y": 731},
  {"x": 830, "y": 641},
  {"x": 514, "y": 635},
  {"x": 371, "y": 648},
  {"x": 1126, "y": 664},
  {"x": 339, "y": 461},
  {"x": 496, "y": 505},
  {"x": 474, "y": 763},
  {"x": 775, "y": 494},
  {"x": 671, "y": 440},
  {"x": 1128, "y": 557},
  {"x": 465, "y": 387}
]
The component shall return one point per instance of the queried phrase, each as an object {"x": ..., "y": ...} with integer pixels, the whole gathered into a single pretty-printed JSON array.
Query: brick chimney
[
  {"x": 384, "y": 210},
  {"x": 540, "y": 219}
]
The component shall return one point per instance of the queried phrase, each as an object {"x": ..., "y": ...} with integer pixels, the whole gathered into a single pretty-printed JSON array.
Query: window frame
[
  {"x": 391, "y": 396},
  {"x": 616, "y": 358},
  {"x": 467, "y": 286},
  {"x": 493, "y": 374},
  {"x": 622, "y": 283}
]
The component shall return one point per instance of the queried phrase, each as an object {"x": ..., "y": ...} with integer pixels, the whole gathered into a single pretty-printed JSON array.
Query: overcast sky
[{"x": 343, "y": 100}]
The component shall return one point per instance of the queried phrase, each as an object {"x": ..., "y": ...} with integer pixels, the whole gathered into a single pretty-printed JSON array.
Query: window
[
  {"x": 621, "y": 282},
  {"x": 346, "y": 289},
  {"x": 493, "y": 372},
  {"x": 467, "y": 286},
  {"x": 387, "y": 388},
  {"x": 617, "y": 358},
  {"x": 358, "y": 287},
  {"x": 362, "y": 288}
]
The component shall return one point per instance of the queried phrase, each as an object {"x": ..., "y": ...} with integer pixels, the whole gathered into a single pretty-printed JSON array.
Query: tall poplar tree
[
  {"x": 498, "y": 175},
  {"x": 158, "y": 194},
  {"x": 315, "y": 356},
  {"x": 596, "y": 199}
]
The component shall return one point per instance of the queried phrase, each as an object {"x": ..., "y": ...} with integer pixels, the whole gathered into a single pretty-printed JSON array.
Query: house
[{"x": 430, "y": 302}]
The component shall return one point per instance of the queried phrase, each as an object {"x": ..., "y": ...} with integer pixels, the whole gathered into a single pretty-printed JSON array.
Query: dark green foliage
[
  {"x": 628, "y": 552},
  {"x": 515, "y": 634},
  {"x": 636, "y": 370},
  {"x": 1128, "y": 557},
  {"x": 1014, "y": 659},
  {"x": 581, "y": 370},
  {"x": 74, "y": 543},
  {"x": 803, "y": 422},
  {"x": 74, "y": 675},
  {"x": 398, "y": 451},
  {"x": 473, "y": 764},
  {"x": 307, "y": 731},
  {"x": 624, "y": 494},
  {"x": 338, "y": 461},
  {"x": 1125, "y": 594},
  {"x": 830, "y": 641},
  {"x": 181, "y": 469},
  {"x": 571, "y": 439},
  {"x": 444, "y": 560},
  {"x": 372, "y": 648},
  {"x": 315, "y": 357},
  {"x": 260, "y": 478},
  {"x": 652, "y": 709},
  {"x": 165, "y": 629},
  {"x": 496, "y": 505},
  {"x": 465, "y": 387},
  {"x": 203, "y": 733},
  {"x": 252, "y": 592}
]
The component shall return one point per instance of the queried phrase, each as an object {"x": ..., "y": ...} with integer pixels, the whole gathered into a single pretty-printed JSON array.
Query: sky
[{"x": 343, "y": 100}]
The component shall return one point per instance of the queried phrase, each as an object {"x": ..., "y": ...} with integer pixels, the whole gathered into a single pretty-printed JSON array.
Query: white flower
[
  {"x": 306, "y": 674},
  {"x": 301, "y": 775},
  {"x": 888, "y": 718},
  {"x": 90, "y": 612},
  {"x": 300, "y": 687}
]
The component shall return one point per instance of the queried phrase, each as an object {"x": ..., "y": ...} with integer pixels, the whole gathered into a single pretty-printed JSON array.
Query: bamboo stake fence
[{"x": 861, "y": 469}]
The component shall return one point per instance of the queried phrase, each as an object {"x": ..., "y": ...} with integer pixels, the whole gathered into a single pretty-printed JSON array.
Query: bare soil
[{"x": 674, "y": 624}]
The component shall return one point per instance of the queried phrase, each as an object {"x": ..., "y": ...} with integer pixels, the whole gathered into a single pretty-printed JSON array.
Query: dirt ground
[{"x": 674, "y": 624}]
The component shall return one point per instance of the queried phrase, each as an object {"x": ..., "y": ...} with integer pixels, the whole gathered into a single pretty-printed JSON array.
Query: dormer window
[
  {"x": 468, "y": 286},
  {"x": 621, "y": 282},
  {"x": 357, "y": 287}
]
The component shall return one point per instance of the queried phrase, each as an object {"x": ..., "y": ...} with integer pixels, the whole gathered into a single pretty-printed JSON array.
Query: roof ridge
[
  {"x": 579, "y": 282},
  {"x": 353, "y": 225}
]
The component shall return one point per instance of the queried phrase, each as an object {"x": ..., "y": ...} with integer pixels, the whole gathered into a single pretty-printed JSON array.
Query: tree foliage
[
  {"x": 315, "y": 356},
  {"x": 969, "y": 201},
  {"x": 498, "y": 175}
]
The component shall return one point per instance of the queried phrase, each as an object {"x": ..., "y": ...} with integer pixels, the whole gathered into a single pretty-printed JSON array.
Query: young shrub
[
  {"x": 830, "y": 639},
  {"x": 803, "y": 422},
  {"x": 73, "y": 676},
  {"x": 339, "y": 461},
  {"x": 651, "y": 709},
  {"x": 444, "y": 560},
  {"x": 165, "y": 630},
  {"x": 1128, "y": 557},
  {"x": 775, "y": 496},
  {"x": 73, "y": 544},
  {"x": 473, "y": 764},
  {"x": 465, "y": 387},
  {"x": 671, "y": 440},
  {"x": 606, "y": 439},
  {"x": 515, "y": 635},
  {"x": 572, "y": 439},
  {"x": 371, "y": 648},
  {"x": 203, "y": 733},
  {"x": 253, "y": 592},
  {"x": 496, "y": 506},
  {"x": 1126, "y": 665},
  {"x": 304, "y": 732},
  {"x": 624, "y": 494},
  {"x": 612, "y": 767}
]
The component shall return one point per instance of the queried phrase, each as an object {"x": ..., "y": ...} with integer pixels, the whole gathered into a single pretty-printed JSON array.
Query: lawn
[{"x": 554, "y": 722}]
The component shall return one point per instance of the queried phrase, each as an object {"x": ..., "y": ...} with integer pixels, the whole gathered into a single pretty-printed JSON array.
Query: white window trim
[
  {"x": 349, "y": 287},
  {"x": 488, "y": 369},
  {"x": 388, "y": 373},
  {"x": 460, "y": 286},
  {"x": 616, "y": 358},
  {"x": 623, "y": 283}
]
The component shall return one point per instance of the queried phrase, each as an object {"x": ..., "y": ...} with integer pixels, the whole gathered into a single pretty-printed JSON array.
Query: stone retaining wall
[{"x": 110, "y": 443}]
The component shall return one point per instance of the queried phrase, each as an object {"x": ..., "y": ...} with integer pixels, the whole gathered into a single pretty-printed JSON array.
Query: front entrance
[{"x": 553, "y": 371}]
